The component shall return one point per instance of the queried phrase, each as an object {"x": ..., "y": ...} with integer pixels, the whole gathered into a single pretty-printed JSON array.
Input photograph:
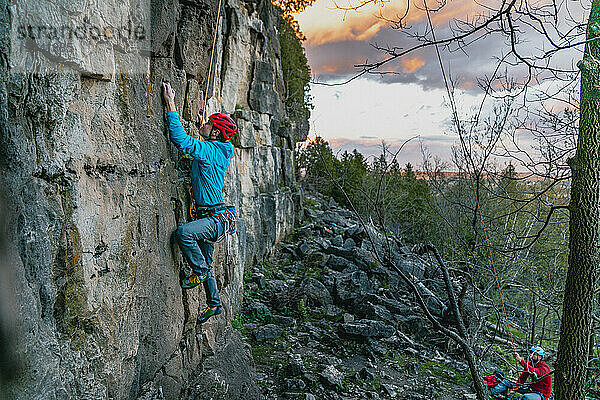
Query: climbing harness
[{"x": 227, "y": 214}]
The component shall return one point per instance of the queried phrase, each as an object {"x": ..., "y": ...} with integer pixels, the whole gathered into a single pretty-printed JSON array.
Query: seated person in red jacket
[{"x": 535, "y": 368}]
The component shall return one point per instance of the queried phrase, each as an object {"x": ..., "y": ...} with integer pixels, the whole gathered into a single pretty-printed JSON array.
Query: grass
[
  {"x": 440, "y": 369},
  {"x": 270, "y": 353},
  {"x": 401, "y": 361},
  {"x": 269, "y": 270},
  {"x": 346, "y": 383},
  {"x": 375, "y": 384},
  {"x": 309, "y": 203},
  {"x": 312, "y": 266},
  {"x": 302, "y": 308},
  {"x": 263, "y": 353},
  {"x": 237, "y": 321}
]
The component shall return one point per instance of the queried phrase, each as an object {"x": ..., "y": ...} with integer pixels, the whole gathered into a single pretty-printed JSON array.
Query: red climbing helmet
[{"x": 225, "y": 124}]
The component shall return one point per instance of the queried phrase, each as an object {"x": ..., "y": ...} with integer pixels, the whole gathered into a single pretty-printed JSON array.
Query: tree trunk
[{"x": 576, "y": 323}]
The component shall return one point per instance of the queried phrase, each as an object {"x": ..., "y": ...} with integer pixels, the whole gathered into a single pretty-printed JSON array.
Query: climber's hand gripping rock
[{"x": 169, "y": 96}]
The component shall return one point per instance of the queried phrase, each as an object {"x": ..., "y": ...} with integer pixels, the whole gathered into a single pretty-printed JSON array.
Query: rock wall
[{"x": 94, "y": 189}]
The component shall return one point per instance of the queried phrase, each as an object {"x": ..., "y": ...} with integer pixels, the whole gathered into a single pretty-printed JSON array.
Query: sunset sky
[{"x": 412, "y": 102}]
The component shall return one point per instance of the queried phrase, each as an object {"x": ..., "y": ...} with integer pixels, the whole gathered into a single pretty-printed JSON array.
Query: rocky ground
[{"x": 326, "y": 321}]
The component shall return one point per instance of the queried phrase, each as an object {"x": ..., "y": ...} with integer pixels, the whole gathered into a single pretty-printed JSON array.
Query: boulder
[
  {"x": 267, "y": 332},
  {"x": 276, "y": 286},
  {"x": 332, "y": 311},
  {"x": 372, "y": 311},
  {"x": 295, "y": 384},
  {"x": 338, "y": 263},
  {"x": 283, "y": 320},
  {"x": 303, "y": 249},
  {"x": 362, "y": 258},
  {"x": 349, "y": 243},
  {"x": 410, "y": 267},
  {"x": 365, "y": 328},
  {"x": 351, "y": 286},
  {"x": 315, "y": 292},
  {"x": 292, "y": 268},
  {"x": 331, "y": 377},
  {"x": 413, "y": 324},
  {"x": 295, "y": 367},
  {"x": 375, "y": 347},
  {"x": 260, "y": 280},
  {"x": 331, "y": 340},
  {"x": 327, "y": 278},
  {"x": 337, "y": 241},
  {"x": 355, "y": 231},
  {"x": 322, "y": 242},
  {"x": 468, "y": 312},
  {"x": 256, "y": 308},
  {"x": 393, "y": 306},
  {"x": 389, "y": 390},
  {"x": 314, "y": 331},
  {"x": 232, "y": 363},
  {"x": 366, "y": 374},
  {"x": 387, "y": 276},
  {"x": 309, "y": 290}
]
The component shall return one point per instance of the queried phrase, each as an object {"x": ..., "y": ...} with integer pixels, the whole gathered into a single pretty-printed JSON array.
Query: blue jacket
[{"x": 211, "y": 159}]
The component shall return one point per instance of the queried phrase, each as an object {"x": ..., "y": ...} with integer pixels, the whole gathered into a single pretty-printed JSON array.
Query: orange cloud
[
  {"x": 324, "y": 23},
  {"x": 329, "y": 68},
  {"x": 461, "y": 10},
  {"x": 466, "y": 85},
  {"x": 410, "y": 65},
  {"x": 338, "y": 65}
]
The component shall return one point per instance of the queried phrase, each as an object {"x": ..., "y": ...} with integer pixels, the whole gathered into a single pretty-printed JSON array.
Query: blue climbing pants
[
  {"x": 501, "y": 387},
  {"x": 533, "y": 395},
  {"x": 196, "y": 240}
]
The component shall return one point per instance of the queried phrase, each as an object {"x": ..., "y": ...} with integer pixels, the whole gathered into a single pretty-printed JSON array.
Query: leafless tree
[{"x": 532, "y": 75}]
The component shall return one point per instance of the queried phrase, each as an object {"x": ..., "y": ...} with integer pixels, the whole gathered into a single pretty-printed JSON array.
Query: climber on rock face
[{"x": 212, "y": 219}]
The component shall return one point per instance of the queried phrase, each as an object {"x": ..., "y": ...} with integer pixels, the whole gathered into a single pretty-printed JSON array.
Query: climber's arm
[{"x": 185, "y": 143}]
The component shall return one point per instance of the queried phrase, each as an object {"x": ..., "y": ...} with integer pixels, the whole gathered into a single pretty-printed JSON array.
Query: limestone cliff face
[{"x": 94, "y": 189}]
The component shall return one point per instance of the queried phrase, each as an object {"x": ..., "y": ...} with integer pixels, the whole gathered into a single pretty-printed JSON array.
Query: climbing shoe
[
  {"x": 209, "y": 312},
  {"x": 193, "y": 280}
]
